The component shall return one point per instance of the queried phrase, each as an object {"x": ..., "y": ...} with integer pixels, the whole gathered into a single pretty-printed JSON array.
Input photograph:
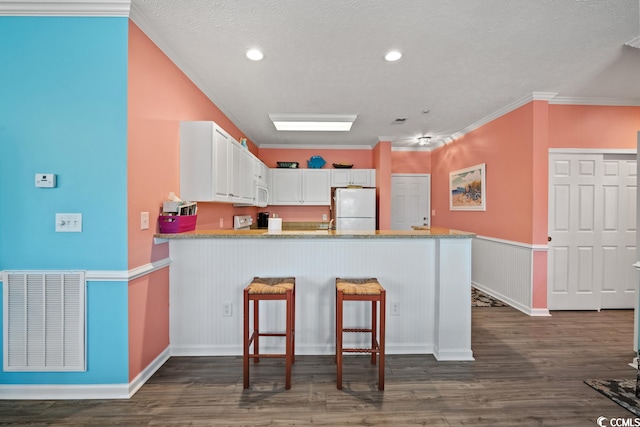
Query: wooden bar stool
[
  {"x": 361, "y": 290},
  {"x": 264, "y": 289}
]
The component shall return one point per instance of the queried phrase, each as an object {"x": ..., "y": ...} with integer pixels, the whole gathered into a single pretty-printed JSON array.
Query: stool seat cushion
[
  {"x": 271, "y": 285},
  {"x": 369, "y": 286}
]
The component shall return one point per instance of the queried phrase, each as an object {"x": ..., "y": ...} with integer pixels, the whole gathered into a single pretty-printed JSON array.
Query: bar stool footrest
[
  {"x": 361, "y": 350},
  {"x": 271, "y": 356}
]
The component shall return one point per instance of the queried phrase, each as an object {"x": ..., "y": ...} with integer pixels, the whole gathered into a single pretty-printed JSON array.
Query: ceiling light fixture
[
  {"x": 313, "y": 122},
  {"x": 392, "y": 56},
  {"x": 255, "y": 55},
  {"x": 424, "y": 140}
]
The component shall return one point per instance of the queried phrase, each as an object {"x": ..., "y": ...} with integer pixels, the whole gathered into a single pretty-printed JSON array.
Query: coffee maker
[{"x": 263, "y": 219}]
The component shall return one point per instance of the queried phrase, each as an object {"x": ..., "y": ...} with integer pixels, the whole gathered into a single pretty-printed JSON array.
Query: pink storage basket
[{"x": 176, "y": 223}]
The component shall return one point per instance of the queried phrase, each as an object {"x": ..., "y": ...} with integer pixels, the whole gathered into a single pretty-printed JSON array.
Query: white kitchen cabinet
[
  {"x": 311, "y": 187},
  {"x": 213, "y": 166},
  {"x": 346, "y": 177},
  {"x": 260, "y": 171},
  {"x": 246, "y": 176}
]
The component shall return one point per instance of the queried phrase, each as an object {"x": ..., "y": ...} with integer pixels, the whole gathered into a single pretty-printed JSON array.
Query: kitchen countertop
[{"x": 431, "y": 233}]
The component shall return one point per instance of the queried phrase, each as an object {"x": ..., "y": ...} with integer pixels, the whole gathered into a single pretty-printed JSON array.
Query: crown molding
[
  {"x": 166, "y": 47},
  {"x": 634, "y": 42},
  {"x": 65, "y": 8},
  {"x": 316, "y": 147},
  {"x": 551, "y": 98},
  {"x": 615, "y": 102},
  {"x": 430, "y": 148},
  {"x": 534, "y": 96}
]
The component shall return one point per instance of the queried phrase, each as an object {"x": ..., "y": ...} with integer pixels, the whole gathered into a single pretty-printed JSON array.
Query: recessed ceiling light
[
  {"x": 394, "y": 55},
  {"x": 313, "y": 122},
  {"x": 424, "y": 140},
  {"x": 255, "y": 55}
]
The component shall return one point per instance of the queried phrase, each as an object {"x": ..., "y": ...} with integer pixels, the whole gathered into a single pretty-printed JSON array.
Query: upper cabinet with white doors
[
  {"x": 310, "y": 187},
  {"x": 347, "y": 177},
  {"x": 260, "y": 171},
  {"x": 213, "y": 166}
]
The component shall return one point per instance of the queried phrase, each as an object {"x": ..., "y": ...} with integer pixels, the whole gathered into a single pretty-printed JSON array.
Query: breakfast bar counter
[
  {"x": 422, "y": 233},
  {"x": 427, "y": 275}
]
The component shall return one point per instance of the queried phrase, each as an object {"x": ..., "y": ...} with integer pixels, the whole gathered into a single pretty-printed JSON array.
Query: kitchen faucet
[{"x": 331, "y": 224}]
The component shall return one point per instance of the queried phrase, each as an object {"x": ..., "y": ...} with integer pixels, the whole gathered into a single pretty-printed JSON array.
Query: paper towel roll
[{"x": 275, "y": 224}]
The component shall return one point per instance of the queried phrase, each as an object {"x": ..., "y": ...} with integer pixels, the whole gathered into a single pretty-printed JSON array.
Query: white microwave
[{"x": 260, "y": 195}]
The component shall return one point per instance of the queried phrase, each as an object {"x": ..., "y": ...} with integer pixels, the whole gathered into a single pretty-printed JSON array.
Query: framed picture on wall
[{"x": 467, "y": 189}]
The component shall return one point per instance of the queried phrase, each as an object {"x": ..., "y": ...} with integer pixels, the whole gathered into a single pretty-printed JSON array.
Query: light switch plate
[
  {"x": 68, "y": 223},
  {"x": 144, "y": 220}
]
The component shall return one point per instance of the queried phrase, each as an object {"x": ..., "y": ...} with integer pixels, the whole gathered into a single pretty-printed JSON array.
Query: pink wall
[
  {"x": 410, "y": 162},
  {"x": 298, "y": 213},
  {"x": 148, "y": 319},
  {"x": 160, "y": 96},
  {"x": 361, "y": 159},
  {"x": 515, "y": 149},
  {"x": 588, "y": 126},
  {"x": 505, "y": 145},
  {"x": 382, "y": 164}
]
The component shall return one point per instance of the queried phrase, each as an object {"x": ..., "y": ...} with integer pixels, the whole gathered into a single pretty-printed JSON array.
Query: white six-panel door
[
  {"x": 592, "y": 230},
  {"x": 410, "y": 201}
]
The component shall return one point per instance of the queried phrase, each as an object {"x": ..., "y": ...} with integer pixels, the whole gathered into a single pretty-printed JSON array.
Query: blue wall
[{"x": 63, "y": 110}]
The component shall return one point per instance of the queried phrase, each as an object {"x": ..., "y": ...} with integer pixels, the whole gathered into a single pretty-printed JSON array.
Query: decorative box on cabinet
[{"x": 346, "y": 177}]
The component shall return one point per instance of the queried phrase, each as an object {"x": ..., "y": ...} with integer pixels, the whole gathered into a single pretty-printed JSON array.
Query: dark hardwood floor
[{"x": 528, "y": 372}]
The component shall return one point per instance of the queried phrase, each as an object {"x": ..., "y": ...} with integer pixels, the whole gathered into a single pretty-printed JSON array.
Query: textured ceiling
[{"x": 463, "y": 60}]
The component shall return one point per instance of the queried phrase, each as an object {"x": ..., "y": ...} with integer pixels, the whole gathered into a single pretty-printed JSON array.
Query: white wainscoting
[
  {"x": 504, "y": 269},
  {"x": 209, "y": 273}
]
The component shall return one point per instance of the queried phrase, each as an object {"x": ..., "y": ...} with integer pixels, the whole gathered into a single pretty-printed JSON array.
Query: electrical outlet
[
  {"x": 395, "y": 308},
  {"x": 226, "y": 309},
  {"x": 324, "y": 217},
  {"x": 221, "y": 222},
  {"x": 433, "y": 212}
]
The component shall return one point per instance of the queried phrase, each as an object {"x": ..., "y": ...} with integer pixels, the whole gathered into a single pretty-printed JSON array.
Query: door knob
[{"x": 549, "y": 238}]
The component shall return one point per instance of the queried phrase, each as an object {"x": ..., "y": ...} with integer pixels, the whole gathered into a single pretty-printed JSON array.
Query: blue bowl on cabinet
[{"x": 315, "y": 162}]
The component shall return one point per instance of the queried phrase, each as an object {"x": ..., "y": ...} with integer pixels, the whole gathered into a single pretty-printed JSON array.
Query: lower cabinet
[{"x": 311, "y": 187}]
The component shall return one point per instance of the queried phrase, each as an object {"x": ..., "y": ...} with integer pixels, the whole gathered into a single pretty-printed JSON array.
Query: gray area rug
[
  {"x": 623, "y": 392},
  {"x": 482, "y": 299}
]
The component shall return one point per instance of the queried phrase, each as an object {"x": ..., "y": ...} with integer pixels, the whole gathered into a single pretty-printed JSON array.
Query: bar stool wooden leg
[
  {"x": 381, "y": 344},
  {"x": 245, "y": 353},
  {"x": 256, "y": 331},
  {"x": 293, "y": 327},
  {"x": 339, "y": 336},
  {"x": 374, "y": 329},
  {"x": 289, "y": 341}
]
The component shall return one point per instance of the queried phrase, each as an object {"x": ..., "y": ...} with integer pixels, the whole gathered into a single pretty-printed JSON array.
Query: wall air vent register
[{"x": 44, "y": 321}]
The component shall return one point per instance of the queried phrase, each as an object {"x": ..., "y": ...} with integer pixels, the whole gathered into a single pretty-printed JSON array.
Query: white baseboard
[
  {"x": 301, "y": 350},
  {"x": 148, "y": 372},
  {"x": 82, "y": 391},
  {"x": 464, "y": 355},
  {"x": 542, "y": 312},
  {"x": 63, "y": 391}
]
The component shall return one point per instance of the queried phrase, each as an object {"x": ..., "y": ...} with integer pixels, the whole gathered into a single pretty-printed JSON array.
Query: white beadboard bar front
[{"x": 427, "y": 278}]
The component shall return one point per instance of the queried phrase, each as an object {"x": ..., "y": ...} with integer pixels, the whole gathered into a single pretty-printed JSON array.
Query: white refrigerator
[{"x": 355, "y": 208}]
